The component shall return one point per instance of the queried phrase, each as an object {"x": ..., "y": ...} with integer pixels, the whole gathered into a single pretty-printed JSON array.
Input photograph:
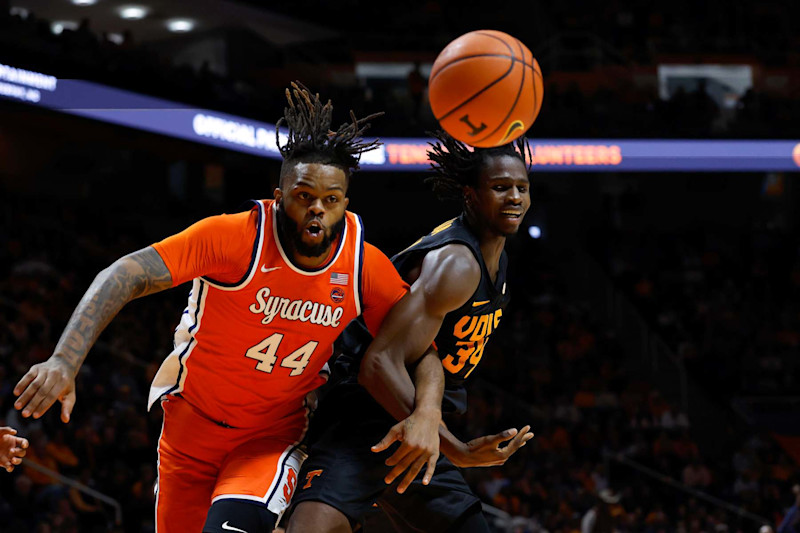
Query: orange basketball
[{"x": 486, "y": 88}]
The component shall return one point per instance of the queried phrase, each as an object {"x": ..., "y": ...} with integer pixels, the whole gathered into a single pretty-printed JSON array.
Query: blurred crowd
[
  {"x": 618, "y": 109},
  {"x": 552, "y": 364},
  {"x": 559, "y": 369},
  {"x": 726, "y": 301},
  {"x": 48, "y": 256},
  {"x": 640, "y": 31}
]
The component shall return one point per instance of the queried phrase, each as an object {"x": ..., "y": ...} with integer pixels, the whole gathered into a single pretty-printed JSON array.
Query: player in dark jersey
[{"x": 462, "y": 263}]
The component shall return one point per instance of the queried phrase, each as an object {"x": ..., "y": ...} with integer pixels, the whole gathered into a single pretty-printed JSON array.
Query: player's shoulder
[
  {"x": 453, "y": 259},
  {"x": 234, "y": 219},
  {"x": 449, "y": 276},
  {"x": 374, "y": 256}
]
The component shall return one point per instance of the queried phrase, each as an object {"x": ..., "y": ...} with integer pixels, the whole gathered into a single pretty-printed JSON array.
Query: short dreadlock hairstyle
[
  {"x": 311, "y": 139},
  {"x": 455, "y": 165}
]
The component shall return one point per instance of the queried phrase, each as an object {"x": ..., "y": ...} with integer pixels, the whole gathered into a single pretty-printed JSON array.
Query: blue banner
[{"x": 125, "y": 108}]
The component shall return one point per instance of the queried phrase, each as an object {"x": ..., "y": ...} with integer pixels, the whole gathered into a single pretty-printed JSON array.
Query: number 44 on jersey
[{"x": 265, "y": 352}]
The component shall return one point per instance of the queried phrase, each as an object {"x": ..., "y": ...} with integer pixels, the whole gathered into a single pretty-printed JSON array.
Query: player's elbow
[
  {"x": 373, "y": 368},
  {"x": 367, "y": 373},
  {"x": 118, "y": 275}
]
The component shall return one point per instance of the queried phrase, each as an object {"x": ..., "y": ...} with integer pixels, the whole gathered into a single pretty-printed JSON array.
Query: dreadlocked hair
[
  {"x": 456, "y": 165},
  {"x": 310, "y": 136}
]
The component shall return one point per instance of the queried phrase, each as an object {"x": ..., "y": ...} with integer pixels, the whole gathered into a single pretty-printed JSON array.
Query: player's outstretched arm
[
  {"x": 488, "y": 450},
  {"x": 130, "y": 277},
  {"x": 12, "y": 448},
  {"x": 448, "y": 278}
]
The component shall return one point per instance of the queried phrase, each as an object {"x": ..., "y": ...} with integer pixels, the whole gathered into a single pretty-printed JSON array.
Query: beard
[{"x": 292, "y": 234}]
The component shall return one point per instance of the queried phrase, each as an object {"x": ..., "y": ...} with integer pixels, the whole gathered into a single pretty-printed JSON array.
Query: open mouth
[
  {"x": 314, "y": 229},
  {"x": 513, "y": 215}
]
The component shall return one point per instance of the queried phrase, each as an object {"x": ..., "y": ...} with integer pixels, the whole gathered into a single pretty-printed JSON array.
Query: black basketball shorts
[{"x": 344, "y": 473}]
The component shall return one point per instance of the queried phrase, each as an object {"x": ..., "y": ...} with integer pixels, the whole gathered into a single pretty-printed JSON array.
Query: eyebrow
[
  {"x": 508, "y": 177},
  {"x": 303, "y": 183}
]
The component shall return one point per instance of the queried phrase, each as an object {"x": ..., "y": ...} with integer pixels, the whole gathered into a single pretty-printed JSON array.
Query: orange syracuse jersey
[{"x": 247, "y": 351}]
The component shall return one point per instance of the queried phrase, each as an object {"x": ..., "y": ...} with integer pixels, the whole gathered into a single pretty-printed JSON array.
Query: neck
[
  {"x": 491, "y": 244},
  {"x": 313, "y": 262}
]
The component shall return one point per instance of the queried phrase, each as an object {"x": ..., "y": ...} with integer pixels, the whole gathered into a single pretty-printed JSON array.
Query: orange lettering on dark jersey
[
  {"x": 474, "y": 332},
  {"x": 310, "y": 476}
]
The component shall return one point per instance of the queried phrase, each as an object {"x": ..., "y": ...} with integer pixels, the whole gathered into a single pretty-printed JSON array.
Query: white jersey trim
[
  {"x": 359, "y": 256},
  {"x": 259, "y": 247},
  {"x": 158, "y": 467},
  {"x": 292, "y": 458},
  {"x": 171, "y": 376}
]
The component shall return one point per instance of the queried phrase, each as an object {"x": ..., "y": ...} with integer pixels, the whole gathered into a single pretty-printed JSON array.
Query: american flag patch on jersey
[{"x": 337, "y": 278}]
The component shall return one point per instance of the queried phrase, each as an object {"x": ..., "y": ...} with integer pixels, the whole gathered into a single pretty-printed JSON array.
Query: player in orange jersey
[{"x": 272, "y": 288}]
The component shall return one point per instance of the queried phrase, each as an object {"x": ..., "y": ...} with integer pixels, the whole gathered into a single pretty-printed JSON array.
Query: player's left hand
[
  {"x": 12, "y": 448},
  {"x": 419, "y": 438},
  {"x": 487, "y": 451}
]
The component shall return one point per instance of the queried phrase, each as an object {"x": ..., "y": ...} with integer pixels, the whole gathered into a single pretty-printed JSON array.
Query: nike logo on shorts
[
  {"x": 226, "y": 527},
  {"x": 265, "y": 269},
  {"x": 478, "y": 304}
]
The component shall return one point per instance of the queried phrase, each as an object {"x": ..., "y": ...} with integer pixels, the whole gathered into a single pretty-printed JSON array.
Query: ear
[
  {"x": 469, "y": 195},
  {"x": 277, "y": 194},
  {"x": 346, "y": 202}
]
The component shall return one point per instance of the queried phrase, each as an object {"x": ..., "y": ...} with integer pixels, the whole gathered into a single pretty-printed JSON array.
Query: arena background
[{"x": 652, "y": 341}]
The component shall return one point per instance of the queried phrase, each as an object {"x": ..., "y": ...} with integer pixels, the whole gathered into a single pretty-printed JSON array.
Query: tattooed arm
[{"x": 130, "y": 277}]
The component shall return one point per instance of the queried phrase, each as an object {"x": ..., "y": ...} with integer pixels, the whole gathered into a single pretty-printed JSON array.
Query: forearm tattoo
[{"x": 133, "y": 276}]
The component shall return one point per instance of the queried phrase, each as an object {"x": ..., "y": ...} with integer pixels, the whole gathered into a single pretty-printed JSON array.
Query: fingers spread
[
  {"x": 401, "y": 467},
  {"x": 411, "y": 474},
  {"x": 395, "y": 434},
  {"x": 517, "y": 441},
  {"x": 23, "y": 383},
  {"x": 30, "y": 396},
  {"x": 503, "y": 436},
  {"x": 46, "y": 397},
  {"x": 399, "y": 454}
]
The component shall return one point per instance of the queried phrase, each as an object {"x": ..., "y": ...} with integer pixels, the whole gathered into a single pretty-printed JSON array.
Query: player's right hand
[
  {"x": 419, "y": 438},
  {"x": 486, "y": 451},
  {"x": 12, "y": 448},
  {"x": 43, "y": 385}
]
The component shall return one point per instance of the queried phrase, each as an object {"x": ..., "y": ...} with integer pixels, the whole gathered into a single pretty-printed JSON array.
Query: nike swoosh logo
[
  {"x": 231, "y": 528},
  {"x": 478, "y": 304},
  {"x": 265, "y": 270}
]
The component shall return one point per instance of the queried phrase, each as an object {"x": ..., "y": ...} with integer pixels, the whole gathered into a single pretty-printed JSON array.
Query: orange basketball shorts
[{"x": 200, "y": 462}]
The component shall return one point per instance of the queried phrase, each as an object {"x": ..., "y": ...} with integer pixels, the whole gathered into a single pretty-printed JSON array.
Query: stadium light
[
  {"x": 59, "y": 26},
  {"x": 535, "y": 232},
  {"x": 180, "y": 25},
  {"x": 84, "y": 2},
  {"x": 133, "y": 12}
]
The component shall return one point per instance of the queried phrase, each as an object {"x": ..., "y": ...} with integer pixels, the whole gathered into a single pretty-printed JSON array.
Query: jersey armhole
[
  {"x": 254, "y": 256},
  {"x": 358, "y": 265}
]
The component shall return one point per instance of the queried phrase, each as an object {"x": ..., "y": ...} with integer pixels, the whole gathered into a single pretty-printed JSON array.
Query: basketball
[{"x": 486, "y": 88}]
